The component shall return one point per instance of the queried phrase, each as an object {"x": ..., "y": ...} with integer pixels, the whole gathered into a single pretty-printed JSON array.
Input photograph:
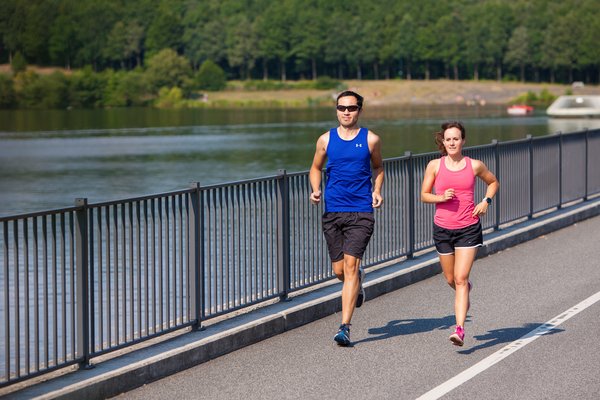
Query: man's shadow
[
  {"x": 505, "y": 335},
  {"x": 408, "y": 327}
]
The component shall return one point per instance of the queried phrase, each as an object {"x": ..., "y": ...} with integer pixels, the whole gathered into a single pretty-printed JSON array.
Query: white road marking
[{"x": 498, "y": 356}]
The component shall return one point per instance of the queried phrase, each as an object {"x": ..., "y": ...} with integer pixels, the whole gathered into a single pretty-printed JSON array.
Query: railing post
[
  {"x": 411, "y": 206},
  {"x": 283, "y": 234},
  {"x": 195, "y": 256},
  {"x": 497, "y": 173},
  {"x": 587, "y": 167},
  {"x": 530, "y": 143},
  {"x": 560, "y": 170},
  {"x": 82, "y": 284}
]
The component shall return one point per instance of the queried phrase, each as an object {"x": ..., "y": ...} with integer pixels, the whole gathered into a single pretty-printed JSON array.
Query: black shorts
[
  {"x": 347, "y": 233},
  {"x": 446, "y": 240}
]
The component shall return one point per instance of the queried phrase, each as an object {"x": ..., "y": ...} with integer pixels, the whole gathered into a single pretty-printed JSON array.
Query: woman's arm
[
  {"x": 427, "y": 187},
  {"x": 481, "y": 171}
]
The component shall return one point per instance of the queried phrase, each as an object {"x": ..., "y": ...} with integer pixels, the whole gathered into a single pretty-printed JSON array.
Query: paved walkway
[{"x": 401, "y": 348}]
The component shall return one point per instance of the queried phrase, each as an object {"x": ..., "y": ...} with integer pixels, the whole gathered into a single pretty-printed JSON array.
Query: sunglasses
[{"x": 351, "y": 108}]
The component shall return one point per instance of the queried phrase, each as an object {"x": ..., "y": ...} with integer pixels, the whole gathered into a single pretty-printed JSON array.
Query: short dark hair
[
  {"x": 348, "y": 93},
  {"x": 439, "y": 136}
]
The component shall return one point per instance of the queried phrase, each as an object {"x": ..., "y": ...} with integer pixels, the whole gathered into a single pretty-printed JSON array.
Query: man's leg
[{"x": 350, "y": 288}]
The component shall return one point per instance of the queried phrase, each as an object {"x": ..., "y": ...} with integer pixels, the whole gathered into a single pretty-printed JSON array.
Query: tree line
[{"x": 527, "y": 40}]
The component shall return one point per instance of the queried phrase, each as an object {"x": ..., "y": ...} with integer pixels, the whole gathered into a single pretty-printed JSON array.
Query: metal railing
[{"x": 82, "y": 281}]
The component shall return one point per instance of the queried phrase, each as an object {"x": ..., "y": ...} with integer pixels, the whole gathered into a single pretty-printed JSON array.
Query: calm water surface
[{"x": 49, "y": 158}]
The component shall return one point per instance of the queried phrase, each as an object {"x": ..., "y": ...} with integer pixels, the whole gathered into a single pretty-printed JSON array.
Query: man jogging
[{"x": 353, "y": 188}]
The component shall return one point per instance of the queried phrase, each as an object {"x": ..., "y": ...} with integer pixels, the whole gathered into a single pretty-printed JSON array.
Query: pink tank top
[{"x": 455, "y": 213}]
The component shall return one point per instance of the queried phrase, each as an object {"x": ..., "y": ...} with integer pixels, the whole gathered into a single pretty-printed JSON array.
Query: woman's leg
[
  {"x": 447, "y": 263},
  {"x": 463, "y": 262}
]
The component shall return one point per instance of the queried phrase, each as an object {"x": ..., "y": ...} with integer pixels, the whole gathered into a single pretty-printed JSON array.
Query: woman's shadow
[
  {"x": 506, "y": 335},
  {"x": 411, "y": 326}
]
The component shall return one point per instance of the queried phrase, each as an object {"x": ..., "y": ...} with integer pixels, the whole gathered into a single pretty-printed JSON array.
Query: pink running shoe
[{"x": 458, "y": 337}]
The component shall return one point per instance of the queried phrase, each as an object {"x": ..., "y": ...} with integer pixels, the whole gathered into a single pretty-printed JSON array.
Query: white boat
[{"x": 575, "y": 106}]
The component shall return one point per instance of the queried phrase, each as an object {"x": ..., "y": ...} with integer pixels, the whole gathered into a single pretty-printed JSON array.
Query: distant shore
[
  {"x": 376, "y": 92},
  {"x": 403, "y": 92}
]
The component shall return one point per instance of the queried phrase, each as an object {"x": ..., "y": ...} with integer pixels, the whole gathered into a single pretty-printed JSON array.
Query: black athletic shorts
[
  {"x": 347, "y": 233},
  {"x": 446, "y": 240}
]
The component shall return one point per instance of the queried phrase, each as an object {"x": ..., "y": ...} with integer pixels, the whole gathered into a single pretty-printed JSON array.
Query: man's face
[{"x": 347, "y": 111}]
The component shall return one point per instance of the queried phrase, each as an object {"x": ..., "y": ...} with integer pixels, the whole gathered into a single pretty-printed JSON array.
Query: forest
[{"x": 286, "y": 40}]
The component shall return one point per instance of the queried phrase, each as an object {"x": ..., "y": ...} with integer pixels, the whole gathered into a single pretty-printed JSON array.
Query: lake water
[{"x": 49, "y": 158}]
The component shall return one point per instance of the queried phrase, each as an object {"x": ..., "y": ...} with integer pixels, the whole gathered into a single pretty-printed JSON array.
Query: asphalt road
[{"x": 401, "y": 348}]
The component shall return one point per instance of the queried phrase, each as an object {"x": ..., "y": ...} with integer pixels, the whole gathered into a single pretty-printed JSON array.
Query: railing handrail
[{"x": 115, "y": 273}]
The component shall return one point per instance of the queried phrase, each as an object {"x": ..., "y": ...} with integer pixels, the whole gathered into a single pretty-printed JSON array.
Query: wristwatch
[{"x": 487, "y": 200}]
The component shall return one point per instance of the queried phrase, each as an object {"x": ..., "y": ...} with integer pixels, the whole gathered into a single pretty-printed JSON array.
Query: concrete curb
[{"x": 137, "y": 368}]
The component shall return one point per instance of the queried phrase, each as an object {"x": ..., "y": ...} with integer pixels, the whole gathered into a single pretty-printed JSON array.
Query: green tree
[
  {"x": 42, "y": 91},
  {"x": 388, "y": 51},
  {"x": 535, "y": 16},
  {"x": 210, "y": 77},
  {"x": 241, "y": 44},
  {"x": 124, "y": 43},
  {"x": 560, "y": 45},
  {"x": 518, "y": 53},
  {"x": 587, "y": 48},
  {"x": 94, "y": 23},
  {"x": 273, "y": 32},
  {"x": 367, "y": 40},
  {"x": 165, "y": 32},
  {"x": 476, "y": 33},
  {"x": 87, "y": 88},
  {"x": 19, "y": 63},
  {"x": 8, "y": 98},
  {"x": 337, "y": 43},
  {"x": 499, "y": 26},
  {"x": 7, "y": 12},
  {"x": 15, "y": 14},
  {"x": 54, "y": 91},
  {"x": 167, "y": 69},
  {"x": 427, "y": 48},
  {"x": 63, "y": 41},
  {"x": 27, "y": 89},
  {"x": 407, "y": 42},
  {"x": 124, "y": 89},
  {"x": 203, "y": 35},
  {"x": 40, "y": 16},
  {"x": 307, "y": 34},
  {"x": 451, "y": 42}
]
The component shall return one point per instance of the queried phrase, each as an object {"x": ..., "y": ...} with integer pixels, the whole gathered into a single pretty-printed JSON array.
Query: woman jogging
[{"x": 449, "y": 183}]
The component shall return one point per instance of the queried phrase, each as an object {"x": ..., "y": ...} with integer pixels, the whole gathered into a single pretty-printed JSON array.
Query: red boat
[{"x": 519, "y": 109}]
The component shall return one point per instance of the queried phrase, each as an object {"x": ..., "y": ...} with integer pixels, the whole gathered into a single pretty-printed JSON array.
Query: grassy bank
[
  {"x": 399, "y": 92},
  {"x": 118, "y": 89}
]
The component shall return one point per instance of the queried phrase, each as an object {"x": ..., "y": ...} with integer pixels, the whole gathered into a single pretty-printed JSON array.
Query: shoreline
[
  {"x": 398, "y": 92},
  {"x": 392, "y": 92}
]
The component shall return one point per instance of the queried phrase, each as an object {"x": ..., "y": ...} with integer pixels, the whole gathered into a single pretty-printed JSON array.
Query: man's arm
[
  {"x": 377, "y": 166},
  {"x": 316, "y": 168}
]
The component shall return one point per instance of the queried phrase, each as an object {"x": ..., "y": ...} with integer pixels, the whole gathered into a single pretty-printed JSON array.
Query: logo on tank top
[{"x": 358, "y": 144}]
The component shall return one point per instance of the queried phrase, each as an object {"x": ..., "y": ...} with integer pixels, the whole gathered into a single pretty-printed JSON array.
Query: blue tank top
[{"x": 348, "y": 187}]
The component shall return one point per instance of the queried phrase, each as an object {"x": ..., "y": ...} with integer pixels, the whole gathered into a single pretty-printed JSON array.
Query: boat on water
[
  {"x": 575, "y": 106},
  {"x": 519, "y": 109}
]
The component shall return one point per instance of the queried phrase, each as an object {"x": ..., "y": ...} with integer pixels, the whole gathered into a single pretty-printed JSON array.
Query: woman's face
[{"x": 453, "y": 141}]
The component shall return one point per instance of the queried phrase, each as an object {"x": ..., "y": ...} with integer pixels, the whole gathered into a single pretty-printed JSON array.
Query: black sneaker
[
  {"x": 361, "y": 291},
  {"x": 342, "y": 337}
]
